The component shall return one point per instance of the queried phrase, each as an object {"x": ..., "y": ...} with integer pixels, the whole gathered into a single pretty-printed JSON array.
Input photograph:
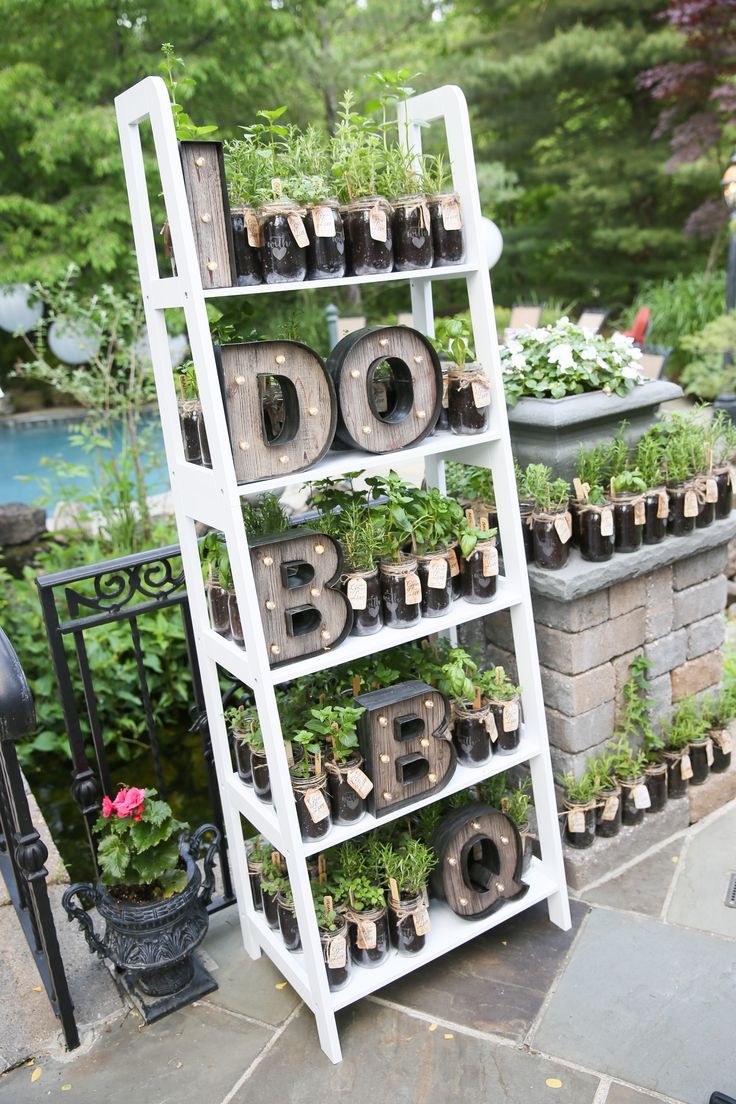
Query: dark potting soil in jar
[
  {"x": 608, "y": 812},
  {"x": 288, "y": 924},
  {"x": 190, "y": 415},
  {"x": 631, "y": 813},
  {"x": 455, "y": 559},
  {"x": 335, "y": 953},
  {"x": 724, "y": 505},
  {"x": 242, "y": 760},
  {"x": 550, "y": 550},
  {"x": 655, "y": 780},
  {"x": 676, "y": 784},
  {"x": 363, "y": 590},
  {"x": 470, "y": 735},
  {"x": 218, "y": 601},
  {"x": 434, "y": 575},
  {"x": 270, "y": 908},
  {"x": 480, "y": 573},
  {"x": 307, "y": 794},
  {"x": 721, "y": 750},
  {"x": 526, "y": 510},
  {"x": 347, "y": 804},
  {"x": 326, "y": 250},
  {"x": 254, "y": 877},
  {"x": 401, "y": 593},
  {"x": 596, "y": 539},
  {"x": 701, "y": 751},
  {"x": 246, "y": 242},
  {"x": 526, "y": 846},
  {"x": 574, "y": 511},
  {"x": 236, "y": 625},
  {"x": 204, "y": 444},
  {"x": 706, "y": 510},
  {"x": 629, "y": 515},
  {"x": 368, "y": 231},
  {"x": 443, "y": 422},
  {"x": 656, "y": 509},
  {"x": 683, "y": 510},
  {"x": 403, "y": 919},
  {"x": 368, "y": 933},
  {"x": 445, "y": 218},
  {"x": 412, "y": 235},
  {"x": 506, "y": 715},
  {"x": 468, "y": 400},
  {"x": 580, "y": 834},
  {"x": 284, "y": 243},
  {"x": 261, "y": 777}
]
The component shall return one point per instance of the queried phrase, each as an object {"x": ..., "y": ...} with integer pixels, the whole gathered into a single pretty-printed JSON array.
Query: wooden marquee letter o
[
  {"x": 417, "y": 388},
  {"x": 309, "y": 408}
]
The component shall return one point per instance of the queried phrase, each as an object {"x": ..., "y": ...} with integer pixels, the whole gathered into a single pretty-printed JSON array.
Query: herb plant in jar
[
  {"x": 580, "y": 809},
  {"x": 406, "y": 868},
  {"x": 628, "y": 768},
  {"x": 473, "y": 729},
  {"x": 648, "y": 462},
  {"x": 469, "y": 393},
  {"x": 719, "y": 710},
  {"x": 309, "y": 182},
  {"x": 309, "y": 778},
  {"x": 347, "y": 784},
  {"x": 592, "y": 516},
  {"x": 551, "y": 527},
  {"x": 401, "y": 589},
  {"x": 628, "y": 492},
  {"x": 359, "y": 892},
  {"x": 333, "y": 935},
  {"x": 504, "y": 699},
  {"x": 410, "y": 220},
  {"x": 445, "y": 213}
]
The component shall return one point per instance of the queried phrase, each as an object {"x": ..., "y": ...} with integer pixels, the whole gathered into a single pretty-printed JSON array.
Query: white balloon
[
  {"x": 492, "y": 241},
  {"x": 178, "y": 348},
  {"x": 71, "y": 343},
  {"x": 17, "y": 313}
]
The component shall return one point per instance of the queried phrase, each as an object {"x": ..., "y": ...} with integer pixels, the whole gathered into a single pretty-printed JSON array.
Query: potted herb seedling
[
  {"x": 479, "y": 563},
  {"x": 592, "y": 517},
  {"x": 251, "y": 733},
  {"x": 256, "y": 850},
  {"x": 309, "y": 778},
  {"x": 719, "y": 711},
  {"x": 401, "y": 589},
  {"x": 434, "y": 520},
  {"x": 515, "y": 802},
  {"x": 628, "y": 493},
  {"x": 683, "y": 500},
  {"x": 239, "y": 719},
  {"x": 473, "y": 729},
  {"x": 359, "y": 892},
  {"x": 333, "y": 935},
  {"x": 686, "y": 726},
  {"x": 406, "y": 869},
  {"x": 445, "y": 215},
  {"x": 264, "y": 517},
  {"x": 607, "y": 793},
  {"x": 628, "y": 768},
  {"x": 335, "y": 726},
  {"x": 273, "y": 882},
  {"x": 218, "y": 580},
  {"x": 193, "y": 433},
  {"x": 469, "y": 393},
  {"x": 362, "y": 536},
  {"x": 636, "y": 724},
  {"x": 310, "y": 183},
  {"x": 288, "y": 923},
  {"x": 246, "y": 170},
  {"x": 504, "y": 699},
  {"x": 151, "y": 893},
  {"x": 723, "y": 439},
  {"x": 580, "y": 809},
  {"x": 358, "y": 153},
  {"x": 526, "y": 509},
  {"x": 648, "y": 462},
  {"x": 551, "y": 529},
  {"x": 410, "y": 221}
]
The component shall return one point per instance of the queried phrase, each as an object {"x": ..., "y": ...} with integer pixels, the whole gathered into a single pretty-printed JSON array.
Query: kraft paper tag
[
  {"x": 491, "y": 727},
  {"x": 421, "y": 920},
  {"x": 470, "y": 517},
  {"x": 393, "y": 888},
  {"x": 454, "y": 565},
  {"x": 359, "y": 781},
  {"x": 709, "y": 753},
  {"x": 357, "y": 593},
  {"x": 253, "y": 228},
  {"x": 691, "y": 504},
  {"x": 367, "y": 936},
  {"x": 607, "y": 522},
  {"x": 663, "y": 505},
  {"x": 437, "y": 575},
  {"x": 732, "y": 476},
  {"x": 686, "y": 768},
  {"x": 642, "y": 799},
  {"x": 378, "y": 224},
  {"x": 380, "y": 398},
  {"x": 490, "y": 562},
  {"x": 711, "y": 490},
  {"x": 412, "y": 589},
  {"x": 576, "y": 820},
  {"x": 510, "y": 716},
  {"x": 726, "y": 743},
  {"x": 481, "y": 394},
  {"x": 324, "y": 222},
  {"x": 610, "y": 808},
  {"x": 298, "y": 229},
  {"x": 317, "y": 807},
  {"x": 337, "y": 952},
  {"x": 451, "y": 217},
  {"x": 640, "y": 512},
  {"x": 445, "y": 391},
  {"x": 562, "y": 528}
]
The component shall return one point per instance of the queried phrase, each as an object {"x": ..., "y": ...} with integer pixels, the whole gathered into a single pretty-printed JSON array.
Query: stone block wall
[{"x": 665, "y": 602}]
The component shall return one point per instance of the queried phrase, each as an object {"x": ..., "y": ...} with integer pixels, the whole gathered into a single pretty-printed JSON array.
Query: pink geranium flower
[
  {"x": 129, "y": 802},
  {"x": 107, "y": 807}
]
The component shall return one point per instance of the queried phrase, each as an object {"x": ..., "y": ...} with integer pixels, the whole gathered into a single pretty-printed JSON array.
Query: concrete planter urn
[{"x": 550, "y": 431}]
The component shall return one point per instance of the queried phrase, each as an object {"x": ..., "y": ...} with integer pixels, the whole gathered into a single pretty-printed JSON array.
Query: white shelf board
[
  {"x": 336, "y": 464},
  {"x": 448, "y": 931},
  {"x": 444, "y": 272},
  {"x": 463, "y": 777}
]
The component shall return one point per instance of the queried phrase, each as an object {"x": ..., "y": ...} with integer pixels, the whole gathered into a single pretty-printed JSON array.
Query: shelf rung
[
  {"x": 447, "y": 272},
  {"x": 261, "y": 814}
]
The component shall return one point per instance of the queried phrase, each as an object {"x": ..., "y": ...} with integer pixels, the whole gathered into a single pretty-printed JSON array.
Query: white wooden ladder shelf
[{"x": 212, "y": 496}]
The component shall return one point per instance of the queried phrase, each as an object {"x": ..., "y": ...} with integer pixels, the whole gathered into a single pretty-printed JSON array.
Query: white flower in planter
[
  {"x": 514, "y": 346},
  {"x": 630, "y": 371},
  {"x": 588, "y": 352},
  {"x": 518, "y": 360},
  {"x": 562, "y": 355}
]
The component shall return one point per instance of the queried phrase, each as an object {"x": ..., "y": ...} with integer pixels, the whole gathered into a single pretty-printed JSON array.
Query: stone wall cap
[{"x": 592, "y": 406}]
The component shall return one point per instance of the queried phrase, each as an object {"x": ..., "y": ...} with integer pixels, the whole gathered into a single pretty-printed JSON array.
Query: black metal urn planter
[{"x": 153, "y": 900}]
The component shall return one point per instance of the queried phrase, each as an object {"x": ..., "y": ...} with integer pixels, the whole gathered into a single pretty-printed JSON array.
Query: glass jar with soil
[
  {"x": 412, "y": 235},
  {"x": 455, "y": 560},
  {"x": 312, "y": 805},
  {"x": 608, "y": 812},
  {"x": 270, "y": 907},
  {"x": 629, "y": 516},
  {"x": 368, "y": 232},
  {"x": 656, "y": 509},
  {"x": 551, "y": 536},
  {"x": 363, "y": 590},
  {"x": 468, "y": 400},
  {"x": 596, "y": 533},
  {"x": 445, "y": 219},
  {"x": 326, "y": 250},
  {"x": 284, "y": 243},
  {"x": 408, "y": 923},
  {"x": 288, "y": 925},
  {"x": 706, "y": 489},
  {"x": 348, "y": 787},
  {"x": 683, "y": 502},
  {"x": 580, "y": 823},
  {"x": 246, "y": 242},
  {"x": 260, "y": 775},
  {"x": 527, "y": 842},
  {"x": 443, "y": 422},
  {"x": 678, "y": 772},
  {"x": 254, "y": 876},
  {"x": 433, "y": 569},
  {"x": 401, "y": 593},
  {"x": 368, "y": 933},
  {"x": 722, "y": 745},
  {"x": 190, "y": 417},
  {"x": 701, "y": 757},
  {"x": 471, "y": 733},
  {"x": 634, "y": 800},
  {"x": 655, "y": 780},
  {"x": 218, "y": 601},
  {"x": 506, "y": 714},
  {"x": 243, "y": 758},
  {"x": 724, "y": 505},
  {"x": 526, "y": 509},
  {"x": 480, "y": 572},
  {"x": 335, "y": 954},
  {"x": 236, "y": 625}
]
